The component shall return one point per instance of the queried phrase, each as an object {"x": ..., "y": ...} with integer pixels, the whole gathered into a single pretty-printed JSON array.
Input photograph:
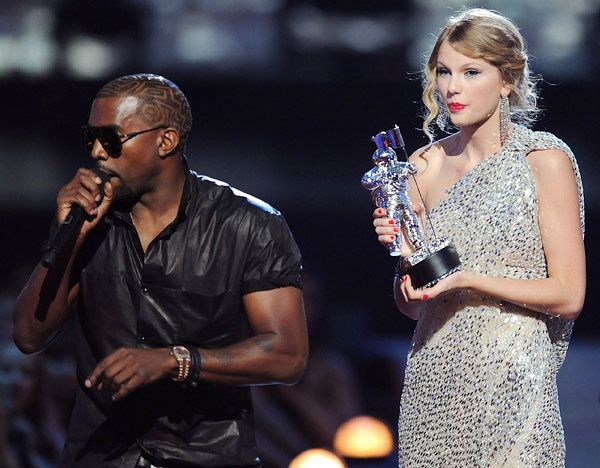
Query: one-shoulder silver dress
[{"x": 480, "y": 385}]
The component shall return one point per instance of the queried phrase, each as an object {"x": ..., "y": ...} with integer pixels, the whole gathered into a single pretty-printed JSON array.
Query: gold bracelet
[{"x": 182, "y": 355}]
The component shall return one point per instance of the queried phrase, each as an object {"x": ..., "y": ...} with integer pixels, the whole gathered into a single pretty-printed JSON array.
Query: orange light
[
  {"x": 363, "y": 437},
  {"x": 317, "y": 458}
]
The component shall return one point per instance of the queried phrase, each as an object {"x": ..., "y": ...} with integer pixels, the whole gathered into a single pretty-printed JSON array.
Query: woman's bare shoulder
[{"x": 429, "y": 155}]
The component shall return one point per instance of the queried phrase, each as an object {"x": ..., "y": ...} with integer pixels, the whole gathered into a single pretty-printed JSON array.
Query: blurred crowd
[{"x": 36, "y": 393}]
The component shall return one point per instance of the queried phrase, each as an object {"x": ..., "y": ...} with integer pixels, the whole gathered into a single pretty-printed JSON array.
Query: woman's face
[{"x": 470, "y": 87}]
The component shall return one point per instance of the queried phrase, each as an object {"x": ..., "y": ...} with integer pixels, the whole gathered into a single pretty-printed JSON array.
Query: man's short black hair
[{"x": 161, "y": 101}]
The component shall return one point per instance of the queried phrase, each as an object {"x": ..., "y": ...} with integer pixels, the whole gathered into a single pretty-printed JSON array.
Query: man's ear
[{"x": 169, "y": 141}]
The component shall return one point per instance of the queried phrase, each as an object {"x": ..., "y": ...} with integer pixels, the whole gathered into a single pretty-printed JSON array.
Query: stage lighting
[
  {"x": 363, "y": 437},
  {"x": 317, "y": 458}
]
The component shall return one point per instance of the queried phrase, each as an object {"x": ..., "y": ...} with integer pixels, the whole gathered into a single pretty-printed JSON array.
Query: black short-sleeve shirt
[{"x": 187, "y": 289}]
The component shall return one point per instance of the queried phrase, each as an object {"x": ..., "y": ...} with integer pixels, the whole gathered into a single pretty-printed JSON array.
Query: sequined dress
[{"x": 480, "y": 384}]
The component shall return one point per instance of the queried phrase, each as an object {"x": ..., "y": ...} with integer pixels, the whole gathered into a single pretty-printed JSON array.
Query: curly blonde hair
[{"x": 487, "y": 35}]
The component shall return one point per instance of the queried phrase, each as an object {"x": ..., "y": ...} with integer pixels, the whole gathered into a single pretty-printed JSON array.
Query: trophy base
[{"x": 432, "y": 268}]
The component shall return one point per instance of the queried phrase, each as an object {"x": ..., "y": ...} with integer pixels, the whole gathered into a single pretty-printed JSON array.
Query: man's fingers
[
  {"x": 119, "y": 371},
  {"x": 124, "y": 382},
  {"x": 82, "y": 190},
  {"x": 91, "y": 182},
  {"x": 123, "y": 390},
  {"x": 126, "y": 369},
  {"x": 77, "y": 195},
  {"x": 126, "y": 387},
  {"x": 88, "y": 181},
  {"x": 91, "y": 379},
  {"x": 98, "y": 373},
  {"x": 107, "y": 200},
  {"x": 85, "y": 199},
  {"x": 108, "y": 193}
]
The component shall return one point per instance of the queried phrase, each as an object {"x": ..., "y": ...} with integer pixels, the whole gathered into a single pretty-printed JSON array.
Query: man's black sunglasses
[{"x": 109, "y": 138}]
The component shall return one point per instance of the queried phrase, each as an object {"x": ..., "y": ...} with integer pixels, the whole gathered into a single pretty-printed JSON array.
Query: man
[{"x": 186, "y": 292}]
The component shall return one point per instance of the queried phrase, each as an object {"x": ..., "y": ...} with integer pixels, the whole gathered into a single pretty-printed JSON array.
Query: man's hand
[
  {"x": 84, "y": 190},
  {"x": 129, "y": 368}
]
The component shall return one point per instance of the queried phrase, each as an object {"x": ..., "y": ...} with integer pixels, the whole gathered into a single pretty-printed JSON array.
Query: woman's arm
[{"x": 562, "y": 293}]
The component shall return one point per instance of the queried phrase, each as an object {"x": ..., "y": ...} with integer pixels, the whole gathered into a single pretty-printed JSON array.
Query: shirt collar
[{"x": 122, "y": 214}]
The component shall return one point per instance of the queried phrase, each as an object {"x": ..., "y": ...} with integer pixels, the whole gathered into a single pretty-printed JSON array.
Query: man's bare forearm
[
  {"x": 262, "y": 359},
  {"x": 41, "y": 307}
]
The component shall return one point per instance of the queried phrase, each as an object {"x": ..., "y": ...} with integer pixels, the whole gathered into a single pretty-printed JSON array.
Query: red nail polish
[
  {"x": 391, "y": 221},
  {"x": 405, "y": 278},
  {"x": 396, "y": 230},
  {"x": 424, "y": 297}
]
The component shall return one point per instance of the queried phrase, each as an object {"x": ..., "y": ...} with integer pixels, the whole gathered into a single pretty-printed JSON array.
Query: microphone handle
[
  {"x": 69, "y": 228},
  {"x": 72, "y": 224}
]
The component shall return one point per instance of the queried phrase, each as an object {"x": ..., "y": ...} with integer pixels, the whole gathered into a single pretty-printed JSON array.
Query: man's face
[{"x": 133, "y": 171}]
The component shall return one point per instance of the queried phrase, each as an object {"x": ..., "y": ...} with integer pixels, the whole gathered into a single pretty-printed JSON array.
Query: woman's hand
[
  {"x": 387, "y": 230},
  {"x": 458, "y": 280}
]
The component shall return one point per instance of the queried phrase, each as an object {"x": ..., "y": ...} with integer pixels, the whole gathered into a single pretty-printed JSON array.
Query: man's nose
[{"x": 98, "y": 151}]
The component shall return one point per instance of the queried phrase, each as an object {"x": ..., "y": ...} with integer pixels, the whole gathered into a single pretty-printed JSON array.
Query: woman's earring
[
  {"x": 504, "y": 119},
  {"x": 442, "y": 118}
]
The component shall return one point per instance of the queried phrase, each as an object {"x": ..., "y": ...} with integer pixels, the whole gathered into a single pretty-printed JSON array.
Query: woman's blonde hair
[{"x": 487, "y": 35}]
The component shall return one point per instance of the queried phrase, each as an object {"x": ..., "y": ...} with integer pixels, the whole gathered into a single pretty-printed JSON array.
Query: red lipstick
[{"x": 456, "y": 106}]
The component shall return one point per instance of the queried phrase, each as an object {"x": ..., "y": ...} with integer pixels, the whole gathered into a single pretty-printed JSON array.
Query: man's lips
[
  {"x": 456, "y": 106},
  {"x": 110, "y": 174}
]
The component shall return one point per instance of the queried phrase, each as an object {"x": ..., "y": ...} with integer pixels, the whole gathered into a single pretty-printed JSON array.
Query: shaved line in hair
[{"x": 161, "y": 102}]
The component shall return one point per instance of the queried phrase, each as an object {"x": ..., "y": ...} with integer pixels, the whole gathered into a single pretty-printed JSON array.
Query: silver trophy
[{"x": 388, "y": 182}]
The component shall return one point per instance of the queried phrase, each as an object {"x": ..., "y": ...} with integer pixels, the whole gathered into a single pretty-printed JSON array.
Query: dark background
[
  {"x": 285, "y": 110},
  {"x": 285, "y": 97}
]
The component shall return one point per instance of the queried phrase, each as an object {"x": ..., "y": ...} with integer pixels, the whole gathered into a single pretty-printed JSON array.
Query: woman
[{"x": 480, "y": 386}]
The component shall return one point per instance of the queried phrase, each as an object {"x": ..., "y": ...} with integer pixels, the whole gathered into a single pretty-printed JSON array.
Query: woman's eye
[
  {"x": 442, "y": 71},
  {"x": 472, "y": 72}
]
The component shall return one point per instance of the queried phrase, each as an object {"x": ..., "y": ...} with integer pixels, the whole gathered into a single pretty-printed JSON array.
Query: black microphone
[{"x": 69, "y": 228}]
